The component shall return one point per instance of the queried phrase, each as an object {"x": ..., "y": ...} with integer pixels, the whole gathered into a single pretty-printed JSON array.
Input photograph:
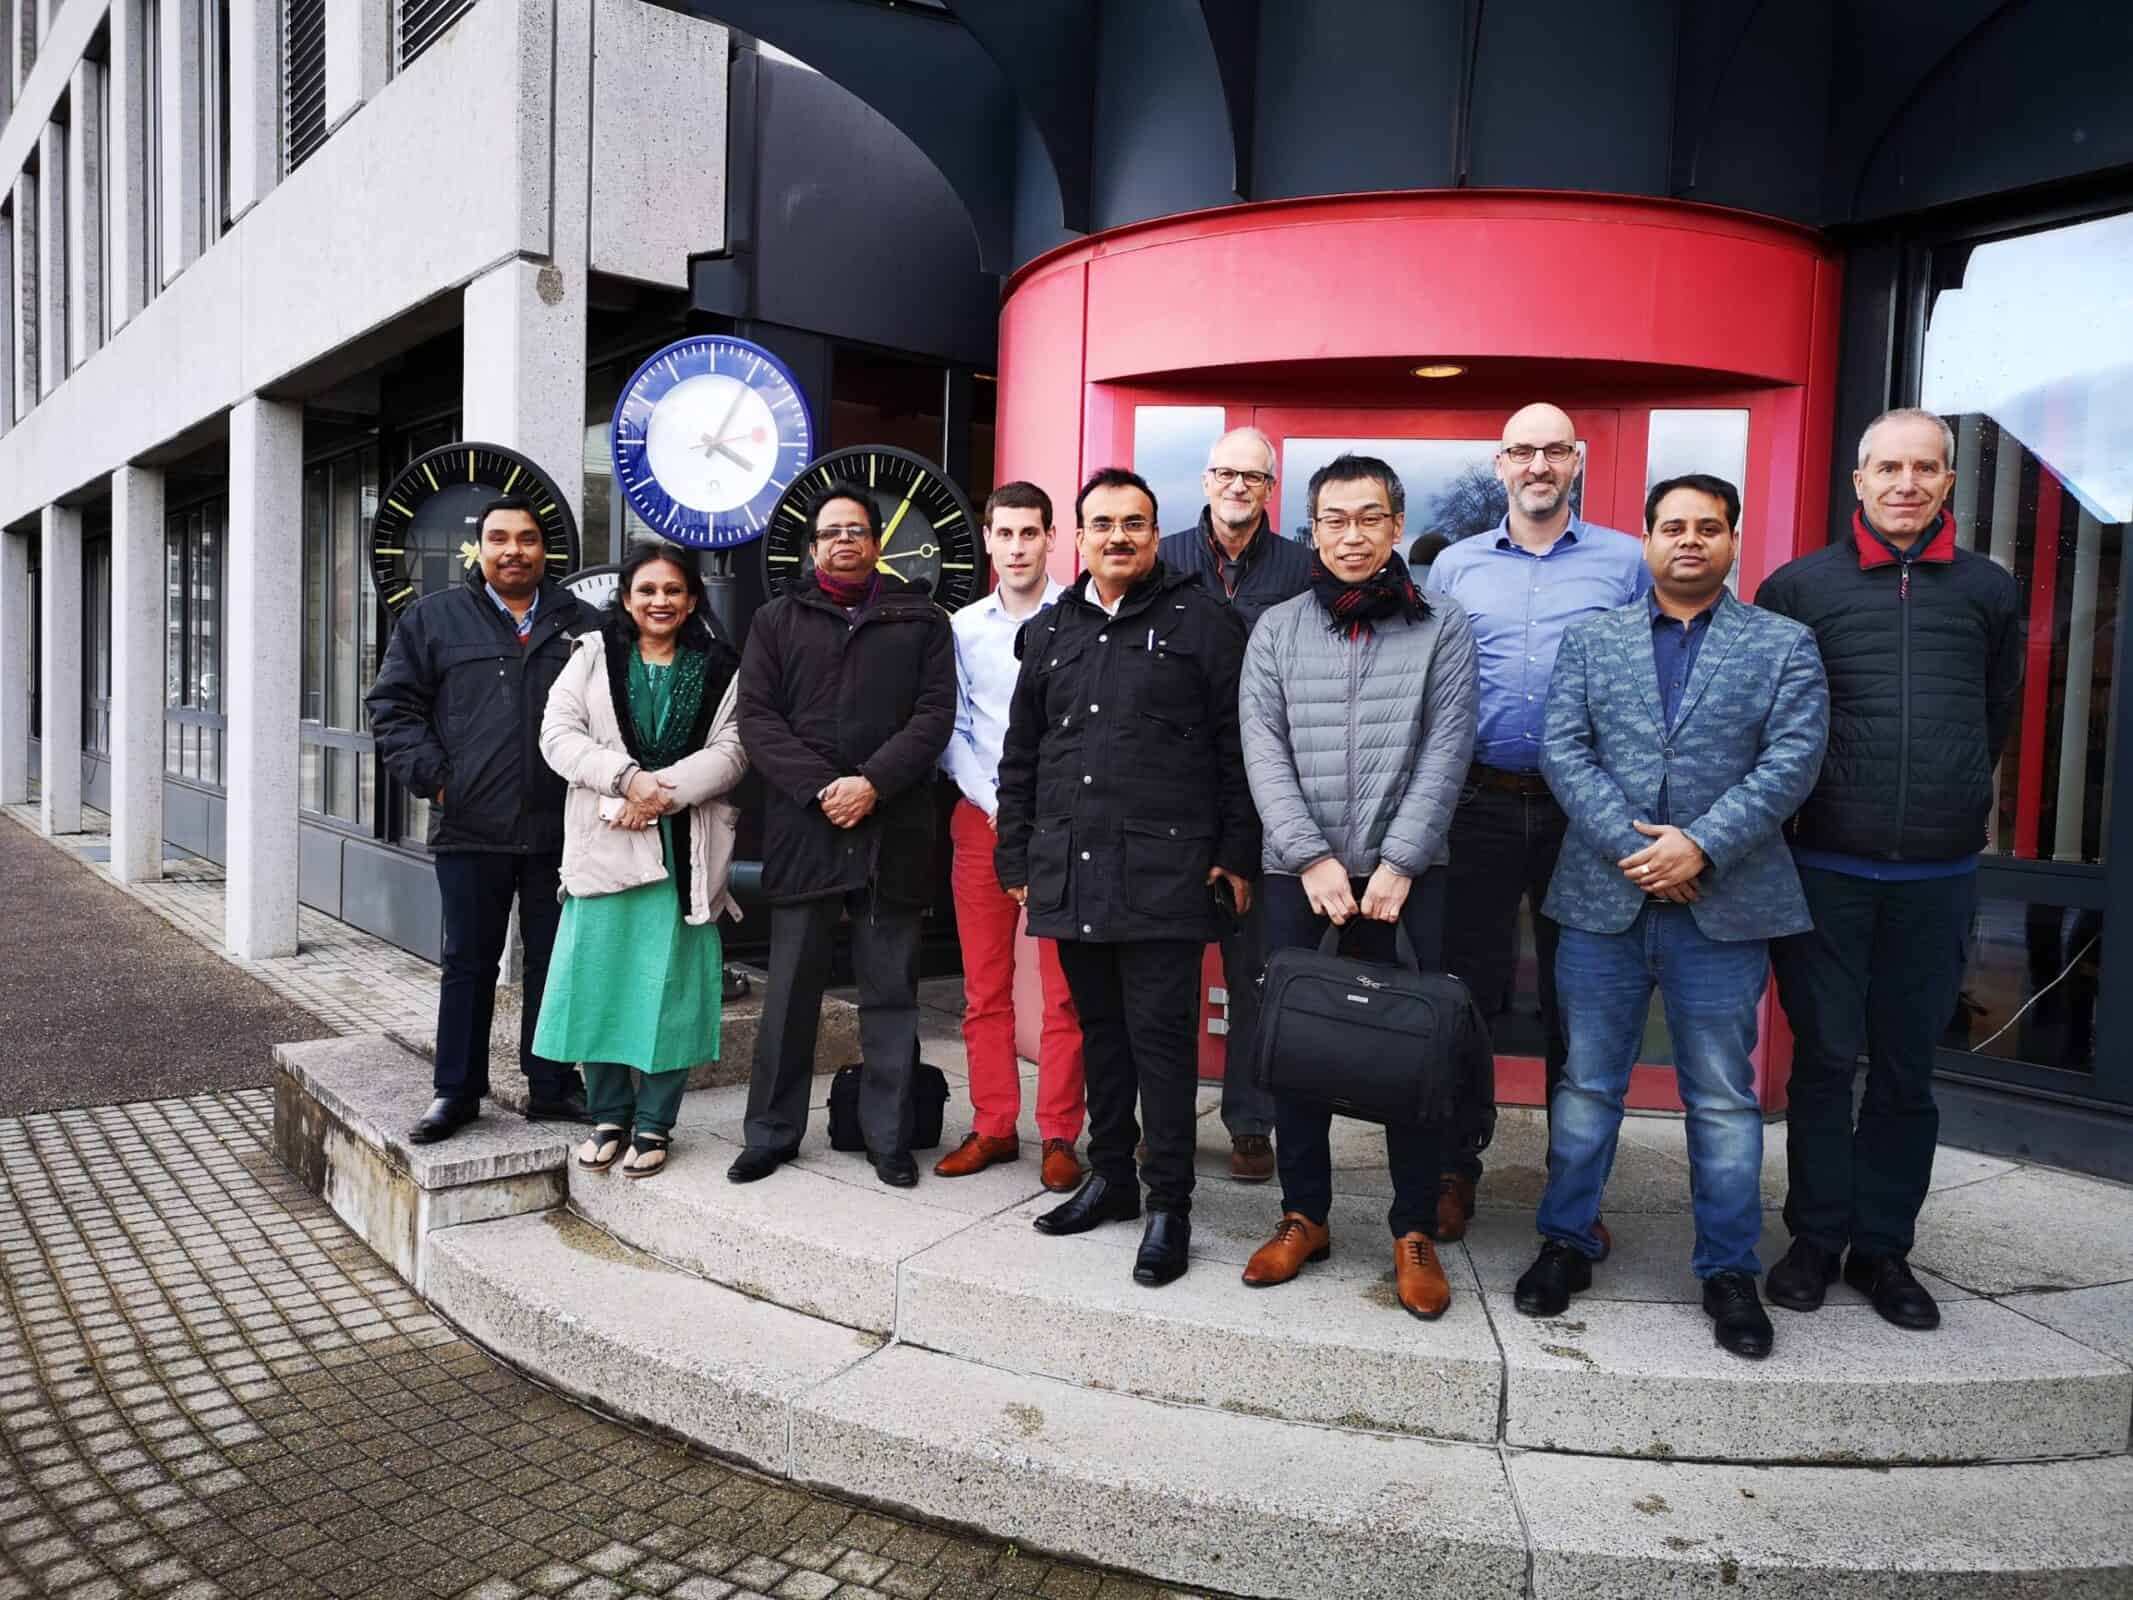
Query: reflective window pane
[
  {"x": 1170, "y": 445},
  {"x": 2030, "y": 991},
  {"x": 1451, "y": 483}
]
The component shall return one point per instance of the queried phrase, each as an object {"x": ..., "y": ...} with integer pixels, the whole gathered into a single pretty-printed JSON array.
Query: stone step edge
[{"x": 1564, "y": 1565}]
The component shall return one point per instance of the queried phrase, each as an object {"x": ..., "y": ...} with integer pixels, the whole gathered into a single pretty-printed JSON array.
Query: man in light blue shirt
[
  {"x": 1522, "y": 583},
  {"x": 1018, "y": 538}
]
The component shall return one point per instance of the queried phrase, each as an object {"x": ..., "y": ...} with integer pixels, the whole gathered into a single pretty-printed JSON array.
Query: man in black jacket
[
  {"x": 1125, "y": 820},
  {"x": 847, "y": 699},
  {"x": 1922, "y": 642},
  {"x": 456, "y": 713},
  {"x": 1242, "y": 561}
]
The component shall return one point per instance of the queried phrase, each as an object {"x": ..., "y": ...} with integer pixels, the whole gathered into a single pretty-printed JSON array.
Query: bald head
[
  {"x": 1536, "y": 464},
  {"x": 1540, "y": 423}
]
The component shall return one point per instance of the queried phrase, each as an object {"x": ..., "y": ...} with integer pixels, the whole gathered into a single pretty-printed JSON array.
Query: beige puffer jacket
[{"x": 581, "y": 740}]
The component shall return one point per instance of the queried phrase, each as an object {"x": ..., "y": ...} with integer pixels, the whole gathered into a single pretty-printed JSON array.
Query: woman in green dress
[{"x": 642, "y": 725}]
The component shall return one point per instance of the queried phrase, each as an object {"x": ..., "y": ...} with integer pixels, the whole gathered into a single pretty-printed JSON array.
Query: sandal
[
  {"x": 607, "y": 1136},
  {"x": 644, "y": 1145}
]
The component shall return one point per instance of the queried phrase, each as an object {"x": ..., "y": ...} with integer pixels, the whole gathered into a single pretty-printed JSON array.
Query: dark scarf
[
  {"x": 1387, "y": 592},
  {"x": 711, "y": 671},
  {"x": 846, "y": 594}
]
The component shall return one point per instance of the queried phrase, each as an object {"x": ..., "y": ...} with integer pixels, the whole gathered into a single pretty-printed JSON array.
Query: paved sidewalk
[{"x": 209, "y": 1387}]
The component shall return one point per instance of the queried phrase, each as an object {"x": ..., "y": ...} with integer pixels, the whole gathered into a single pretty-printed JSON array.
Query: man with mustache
[
  {"x": 1682, "y": 730},
  {"x": 456, "y": 712},
  {"x": 1923, "y": 640},
  {"x": 1243, "y": 562},
  {"x": 1124, "y": 814},
  {"x": 1523, "y": 583}
]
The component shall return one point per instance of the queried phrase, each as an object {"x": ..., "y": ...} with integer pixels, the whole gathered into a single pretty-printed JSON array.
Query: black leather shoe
[
  {"x": 444, "y": 1118},
  {"x": 1095, "y": 1203},
  {"x": 568, "y": 1106},
  {"x": 1164, "y": 1246},
  {"x": 898, "y": 1170},
  {"x": 757, "y": 1162},
  {"x": 1738, "y": 1320},
  {"x": 1544, "y": 1289},
  {"x": 1799, "y": 1282},
  {"x": 1899, "y": 1297}
]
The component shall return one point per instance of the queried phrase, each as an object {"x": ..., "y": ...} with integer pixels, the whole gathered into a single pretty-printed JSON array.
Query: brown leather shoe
[
  {"x": 1251, "y": 1157},
  {"x": 1455, "y": 1207},
  {"x": 1062, "y": 1172},
  {"x": 1297, "y": 1239},
  {"x": 975, "y": 1154},
  {"x": 1424, "y": 1290}
]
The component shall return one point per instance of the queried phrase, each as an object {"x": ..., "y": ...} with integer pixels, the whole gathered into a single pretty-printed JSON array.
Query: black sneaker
[
  {"x": 1545, "y": 1288},
  {"x": 1738, "y": 1320},
  {"x": 1899, "y": 1297},
  {"x": 1799, "y": 1282}
]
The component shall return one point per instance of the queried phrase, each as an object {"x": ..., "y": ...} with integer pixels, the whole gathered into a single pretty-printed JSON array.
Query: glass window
[
  {"x": 151, "y": 149},
  {"x": 2030, "y": 991},
  {"x": 110, "y": 195},
  {"x": 336, "y": 775},
  {"x": 96, "y": 646},
  {"x": 192, "y": 641},
  {"x": 1170, "y": 445},
  {"x": 1451, "y": 483},
  {"x": 2030, "y": 358},
  {"x": 317, "y": 561}
]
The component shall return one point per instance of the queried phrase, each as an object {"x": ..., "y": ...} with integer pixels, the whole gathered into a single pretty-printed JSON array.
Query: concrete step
[{"x": 1247, "y": 1504}]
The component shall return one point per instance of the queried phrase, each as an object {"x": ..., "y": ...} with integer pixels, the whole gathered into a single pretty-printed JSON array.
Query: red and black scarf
[
  {"x": 1387, "y": 592},
  {"x": 846, "y": 593}
]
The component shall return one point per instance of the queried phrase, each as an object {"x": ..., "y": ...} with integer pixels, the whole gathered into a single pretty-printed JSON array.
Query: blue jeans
[{"x": 1604, "y": 982}]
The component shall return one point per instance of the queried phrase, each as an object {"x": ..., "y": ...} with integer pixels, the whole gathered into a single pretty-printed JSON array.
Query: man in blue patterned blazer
[{"x": 1681, "y": 731}]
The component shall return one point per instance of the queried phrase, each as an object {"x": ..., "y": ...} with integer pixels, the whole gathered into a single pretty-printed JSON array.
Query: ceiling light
[{"x": 1439, "y": 369}]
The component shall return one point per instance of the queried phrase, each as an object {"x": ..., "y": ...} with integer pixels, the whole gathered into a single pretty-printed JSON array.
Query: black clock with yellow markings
[
  {"x": 929, "y": 535},
  {"x": 427, "y": 533}
]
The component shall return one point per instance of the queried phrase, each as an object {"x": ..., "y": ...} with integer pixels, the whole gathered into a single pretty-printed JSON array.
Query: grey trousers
[
  {"x": 885, "y": 961},
  {"x": 1246, "y": 1108}
]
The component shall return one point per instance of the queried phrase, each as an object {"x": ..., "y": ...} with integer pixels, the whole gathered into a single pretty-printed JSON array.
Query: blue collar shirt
[
  {"x": 523, "y": 625},
  {"x": 985, "y": 672},
  {"x": 1674, "y": 647},
  {"x": 1520, "y": 604}
]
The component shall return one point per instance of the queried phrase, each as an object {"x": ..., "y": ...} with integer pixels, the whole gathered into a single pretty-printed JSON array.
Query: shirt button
[
  {"x": 1085, "y": 928},
  {"x": 1103, "y": 638},
  {"x": 1092, "y": 706},
  {"x": 1087, "y": 778},
  {"x": 1085, "y": 855}
]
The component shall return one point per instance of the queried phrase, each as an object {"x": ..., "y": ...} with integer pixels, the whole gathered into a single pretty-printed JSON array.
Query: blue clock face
[{"x": 707, "y": 435}]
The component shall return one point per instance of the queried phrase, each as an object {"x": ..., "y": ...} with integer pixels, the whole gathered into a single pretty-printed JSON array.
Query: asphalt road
[{"x": 102, "y": 1001}]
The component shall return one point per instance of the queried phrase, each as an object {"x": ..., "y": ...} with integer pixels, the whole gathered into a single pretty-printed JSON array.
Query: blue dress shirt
[
  {"x": 1674, "y": 647},
  {"x": 1520, "y": 604},
  {"x": 985, "y": 670}
]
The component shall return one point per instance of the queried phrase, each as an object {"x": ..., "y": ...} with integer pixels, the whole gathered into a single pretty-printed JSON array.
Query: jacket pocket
[
  {"x": 713, "y": 854},
  {"x": 1051, "y": 851},
  {"x": 1166, "y": 869}
]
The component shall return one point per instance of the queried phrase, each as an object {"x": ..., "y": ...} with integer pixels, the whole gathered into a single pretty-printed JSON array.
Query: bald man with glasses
[
  {"x": 1523, "y": 583},
  {"x": 1243, "y": 562}
]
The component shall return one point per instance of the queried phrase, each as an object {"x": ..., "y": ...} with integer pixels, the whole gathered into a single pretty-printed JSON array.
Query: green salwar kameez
[{"x": 634, "y": 990}]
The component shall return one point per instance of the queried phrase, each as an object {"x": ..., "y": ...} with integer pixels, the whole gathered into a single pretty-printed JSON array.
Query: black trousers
[
  {"x": 1879, "y": 975},
  {"x": 477, "y": 888},
  {"x": 1503, "y": 850},
  {"x": 885, "y": 963},
  {"x": 1139, "y": 1009},
  {"x": 1246, "y": 1108},
  {"x": 1303, "y": 1142}
]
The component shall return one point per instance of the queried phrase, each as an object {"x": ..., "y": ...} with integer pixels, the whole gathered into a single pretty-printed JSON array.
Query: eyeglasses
[
  {"x": 1132, "y": 527},
  {"x": 1523, "y": 454},
  {"x": 1370, "y": 521},
  {"x": 844, "y": 533},
  {"x": 1252, "y": 480}
]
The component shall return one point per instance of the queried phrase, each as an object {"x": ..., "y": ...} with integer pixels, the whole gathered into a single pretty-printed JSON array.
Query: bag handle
[{"x": 1403, "y": 948}]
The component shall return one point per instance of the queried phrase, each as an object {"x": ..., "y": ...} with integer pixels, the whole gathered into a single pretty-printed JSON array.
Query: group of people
[{"x": 1223, "y": 736}]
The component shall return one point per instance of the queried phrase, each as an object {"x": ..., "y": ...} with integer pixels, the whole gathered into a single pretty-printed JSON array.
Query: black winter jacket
[
  {"x": 1925, "y": 667},
  {"x": 1276, "y": 569},
  {"x": 824, "y": 697},
  {"x": 457, "y": 706},
  {"x": 1122, "y": 778}
]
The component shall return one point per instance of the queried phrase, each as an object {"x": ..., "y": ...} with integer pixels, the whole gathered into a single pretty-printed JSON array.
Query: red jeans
[{"x": 988, "y": 920}]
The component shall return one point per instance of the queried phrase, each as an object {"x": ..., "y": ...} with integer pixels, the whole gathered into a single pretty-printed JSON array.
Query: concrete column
[
  {"x": 262, "y": 666},
  {"x": 16, "y": 668},
  {"x": 85, "y": 209},
  {"x": 59, "y": 733},
  {"x": 52, "y": 257},
  {"x": 181, "y": 86},
  {"x": 126, "y": 83},
  {"x": 358, "y": 45},
  {"x": 7, "y": 312},
  {"x": 255, "y": 100},
  {"x": 26, "y": 298},
  {"x": 137, "y": 686}
]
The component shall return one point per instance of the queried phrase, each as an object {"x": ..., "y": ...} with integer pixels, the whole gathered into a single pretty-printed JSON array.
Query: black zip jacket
[
  {"x": 1924, "y": 658},
  {"x": 1275, "y": 569},
  {"x": 825, "y": 696},
  {"x": 1122, "y": 777},
  {"x": 457, "y": 707}
]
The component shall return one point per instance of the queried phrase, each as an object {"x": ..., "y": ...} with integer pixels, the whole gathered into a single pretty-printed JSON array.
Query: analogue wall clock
[
  {"x": 595, "y": 587},
  {"x": 426, "y": 535},
  {"x": 929, "y": 534},
  {"x": 707, "y": 435}
]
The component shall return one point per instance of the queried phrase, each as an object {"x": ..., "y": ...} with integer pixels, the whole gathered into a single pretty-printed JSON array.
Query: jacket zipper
[
  {"x": 1348, "y": 808},
  {"x": 1903, "y": 721}
]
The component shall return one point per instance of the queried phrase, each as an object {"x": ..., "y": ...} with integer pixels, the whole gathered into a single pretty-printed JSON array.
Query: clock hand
[
  {"x": 887, "y": 566},
  {"x": 889, "y": 532},
  {"x": 740, "y": 393},
  {"x": 735, "y": 457}
]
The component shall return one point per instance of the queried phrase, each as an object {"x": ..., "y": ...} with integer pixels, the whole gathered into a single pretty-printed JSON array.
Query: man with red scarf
[
  {"x": 1922, "y": 641},
  {"x": 847, "y": 698}
]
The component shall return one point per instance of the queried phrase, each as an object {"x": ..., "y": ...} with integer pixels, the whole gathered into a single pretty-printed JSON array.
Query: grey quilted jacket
[{"x": 1357, "y": 747}]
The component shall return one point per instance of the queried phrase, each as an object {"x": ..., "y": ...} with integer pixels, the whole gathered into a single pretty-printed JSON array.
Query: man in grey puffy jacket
[{"x": 1358, "y": 707}]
